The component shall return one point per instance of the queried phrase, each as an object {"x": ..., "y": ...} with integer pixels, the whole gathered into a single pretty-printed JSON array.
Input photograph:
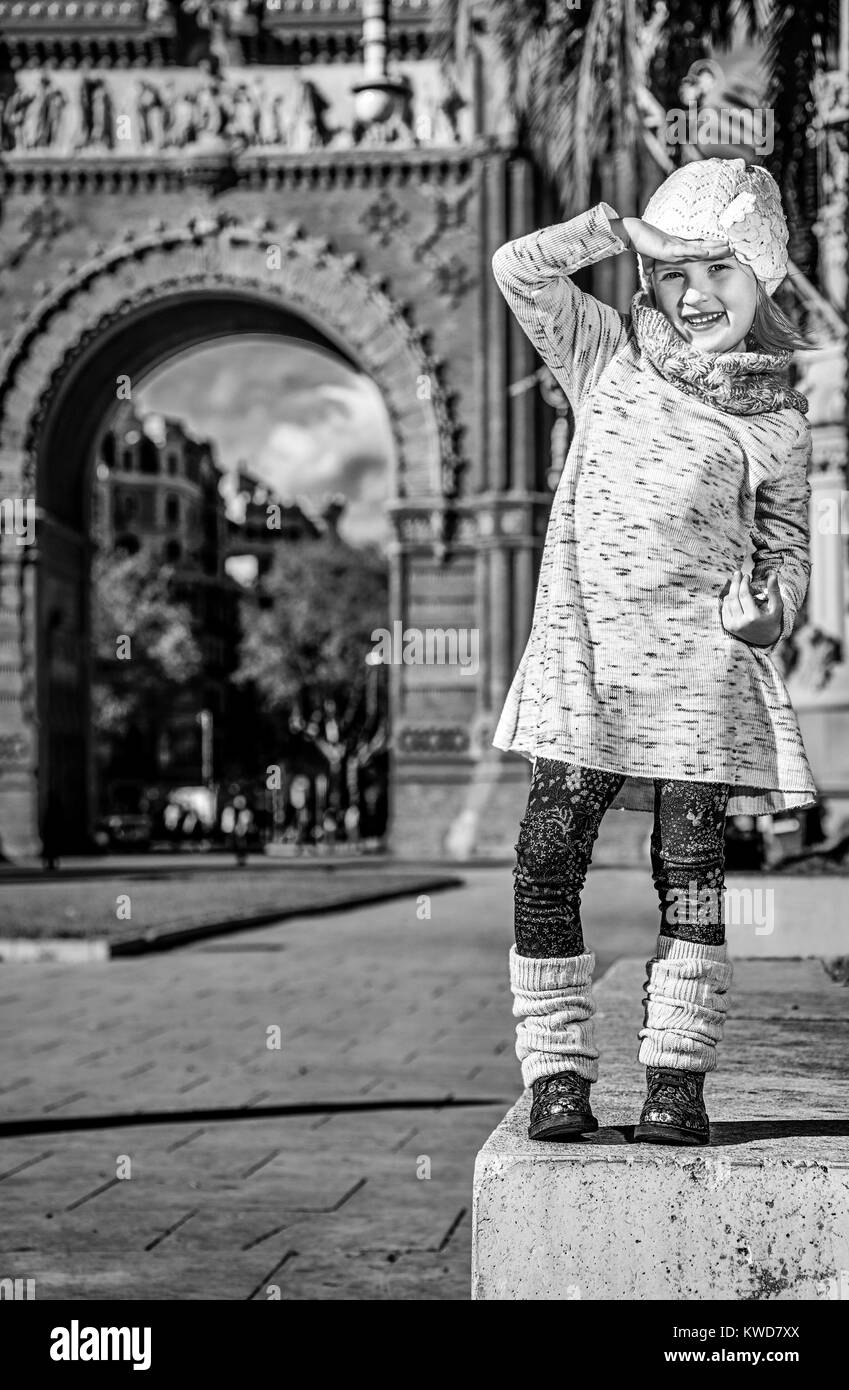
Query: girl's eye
[
  {"x": 669, "y": 274},
  {"x": 721, "y": 265}
]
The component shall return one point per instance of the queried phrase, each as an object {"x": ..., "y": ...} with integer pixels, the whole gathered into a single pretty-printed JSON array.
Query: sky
[{"x": 299, "y": 419}]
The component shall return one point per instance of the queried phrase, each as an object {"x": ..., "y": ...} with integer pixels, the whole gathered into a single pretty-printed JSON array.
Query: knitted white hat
[{"x": 723, "y": 198}]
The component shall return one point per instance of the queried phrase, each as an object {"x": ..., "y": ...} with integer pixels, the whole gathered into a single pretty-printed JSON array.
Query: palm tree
[
  {"x": 589, "y": 86},
  {"x": 799, "y": 42}
]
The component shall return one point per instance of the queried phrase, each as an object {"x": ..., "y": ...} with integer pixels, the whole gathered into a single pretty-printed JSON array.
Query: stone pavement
[
  {"x": 153, "y": 1144},
  {"x": 164, "y": 901}
]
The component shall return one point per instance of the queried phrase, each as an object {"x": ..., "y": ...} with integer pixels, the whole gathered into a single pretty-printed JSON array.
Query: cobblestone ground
[{"x": 156, "y": 1142}]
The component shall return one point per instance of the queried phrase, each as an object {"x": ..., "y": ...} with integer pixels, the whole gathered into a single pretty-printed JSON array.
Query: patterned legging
[{"x": 553, "y": 853}]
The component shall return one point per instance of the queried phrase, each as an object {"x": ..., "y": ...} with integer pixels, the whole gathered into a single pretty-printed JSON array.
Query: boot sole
[
  {"x": 669, "y": 1134},
  {"x": 564, "y": 1129}
]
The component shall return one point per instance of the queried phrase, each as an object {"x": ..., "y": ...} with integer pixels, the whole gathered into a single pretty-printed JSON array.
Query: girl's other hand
[
  {"x": 758, "y": 624},
  {"x": 655, "y": 245}
]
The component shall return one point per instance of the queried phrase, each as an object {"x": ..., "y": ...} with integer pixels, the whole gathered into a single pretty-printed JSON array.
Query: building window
[
  {"x": 173, "y": 551},
  {"x": 173, "y": 464},
  {"x": 124, "y": 508},
  {"x": 172, "y": 507},
  {"x": 149, "y": 456},
  {"x": 127, "y": 460}
]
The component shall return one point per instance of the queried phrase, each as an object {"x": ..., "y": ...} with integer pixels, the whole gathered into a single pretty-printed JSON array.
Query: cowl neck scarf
[{"x": 742, "y": 383}]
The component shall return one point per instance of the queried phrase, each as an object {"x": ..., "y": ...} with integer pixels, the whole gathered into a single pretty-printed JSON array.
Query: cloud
[{"x": 301, "y": 420}]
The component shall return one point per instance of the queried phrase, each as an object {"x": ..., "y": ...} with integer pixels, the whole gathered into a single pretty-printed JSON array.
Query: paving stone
[{"x": 374, "y": 1006}]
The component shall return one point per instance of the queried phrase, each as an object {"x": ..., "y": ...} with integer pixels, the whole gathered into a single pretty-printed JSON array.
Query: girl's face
[{"x": 710, "y": 303}]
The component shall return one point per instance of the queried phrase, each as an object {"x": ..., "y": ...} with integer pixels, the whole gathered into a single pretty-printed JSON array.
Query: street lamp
[{"x": 375, "y": 98}]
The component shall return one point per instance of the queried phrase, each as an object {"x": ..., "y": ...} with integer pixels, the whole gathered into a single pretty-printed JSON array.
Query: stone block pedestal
[{"x": 761, "y": 1213}]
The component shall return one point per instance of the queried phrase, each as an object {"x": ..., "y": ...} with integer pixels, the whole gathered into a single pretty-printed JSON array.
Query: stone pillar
[
  {"x": 524, "y": 592},
  {"x": 821, "y": 379},
  {"x": 818, "y": 683},
  {"x": 494, "y": 234},
  {"x": 523, "y": 359},
  {"x": 826, "y": 596},
  {"x": 502, "y": 620},
  {"x": 625, "y": 177},
  {"x": 511, "y": 515},
  {"x": 482, "y": 595},
  {"x": 19, "y": 835}
]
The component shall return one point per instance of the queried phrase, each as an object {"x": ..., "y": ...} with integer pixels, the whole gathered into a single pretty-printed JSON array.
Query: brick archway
[
  {"x": 125, "y": 310},
  {"x": 323, "y": 288}
]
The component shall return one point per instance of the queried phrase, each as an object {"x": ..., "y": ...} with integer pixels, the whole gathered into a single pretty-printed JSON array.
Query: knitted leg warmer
[
  {"x": 685, "y": 1004},
  {"x": 552, "y": 996}
]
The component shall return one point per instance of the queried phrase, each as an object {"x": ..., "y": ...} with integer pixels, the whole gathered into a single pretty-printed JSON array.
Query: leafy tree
[
  {"x": 583, "y": 82},
  {"x": 133, "y": 599},
  {"x": 305, "y": 642}
]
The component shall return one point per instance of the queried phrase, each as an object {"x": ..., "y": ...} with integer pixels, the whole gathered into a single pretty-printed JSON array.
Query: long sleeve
[
  {"x": 781, "y": 531},
  {"x": 574, "y": 333}
]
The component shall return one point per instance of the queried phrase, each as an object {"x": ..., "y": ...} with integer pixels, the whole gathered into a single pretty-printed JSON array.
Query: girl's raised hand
[
  {"x": 655, "y": 245},
  {"x": 759, "y": 624}
]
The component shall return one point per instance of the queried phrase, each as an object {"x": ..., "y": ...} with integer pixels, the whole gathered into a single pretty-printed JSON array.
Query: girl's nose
[{"x": 693, "y": 295}]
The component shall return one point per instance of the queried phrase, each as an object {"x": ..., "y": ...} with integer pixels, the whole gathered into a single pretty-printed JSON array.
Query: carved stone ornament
[
  {"x": 830, "y": 131},
  {"x": 173, "y": 111},
  {"x": 434, "y": 738},
  {"x": 212, "y": 253},
  {"x": 449, "y": 273},
  {"x": 14, "y": 750}
]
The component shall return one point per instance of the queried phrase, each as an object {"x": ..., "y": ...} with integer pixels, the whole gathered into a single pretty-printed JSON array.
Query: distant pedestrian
[
  {"x": 52, "y": 827},
  {"x": 329, "y": 828},
  {"x": 237, "y": 822},
  {"x": 352, "y": 827}
]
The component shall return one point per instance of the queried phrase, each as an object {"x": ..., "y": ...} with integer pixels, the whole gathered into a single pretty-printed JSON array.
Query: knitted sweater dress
[{"x": 664, "y": 492}]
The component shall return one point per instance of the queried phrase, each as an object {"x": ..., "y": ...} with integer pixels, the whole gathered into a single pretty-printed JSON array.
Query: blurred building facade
[
  {"x": 156, "y": 484},
  {"x": 156, "y": 490},
  {"x": 160, "y": 494},
  {"x": 267, "y": 522},
  {"x": 174, "y": 172}
]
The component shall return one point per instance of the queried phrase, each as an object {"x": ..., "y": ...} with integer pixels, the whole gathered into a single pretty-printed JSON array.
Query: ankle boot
[
  {"x": 555, "y": 1040},
  {"x": 685, "y": 1007},
  {"x": 561, "y": 1107},
  {"x": 674, "y": 1112}
]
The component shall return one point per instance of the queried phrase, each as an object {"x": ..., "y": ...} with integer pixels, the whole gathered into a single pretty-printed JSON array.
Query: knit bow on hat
[{"x": 724, "y": 199}]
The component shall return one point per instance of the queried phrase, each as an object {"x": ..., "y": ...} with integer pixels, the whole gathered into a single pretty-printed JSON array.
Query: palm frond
[{"x": 580, "y": 81}]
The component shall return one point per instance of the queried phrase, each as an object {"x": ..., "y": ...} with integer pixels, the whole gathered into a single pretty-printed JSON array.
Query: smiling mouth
[{"x": 701, "y": 321}]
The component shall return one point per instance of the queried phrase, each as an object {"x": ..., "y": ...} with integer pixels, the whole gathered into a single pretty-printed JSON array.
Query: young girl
[{"x": 647, "y": 681}]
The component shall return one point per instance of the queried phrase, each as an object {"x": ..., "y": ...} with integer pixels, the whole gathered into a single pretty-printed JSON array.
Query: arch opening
[{"x": 81, "y": 398}]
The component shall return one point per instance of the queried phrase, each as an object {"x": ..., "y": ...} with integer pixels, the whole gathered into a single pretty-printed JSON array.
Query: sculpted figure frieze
[{"x": 59, "y": 113}]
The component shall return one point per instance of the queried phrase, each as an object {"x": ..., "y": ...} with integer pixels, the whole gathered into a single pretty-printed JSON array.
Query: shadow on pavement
[
  {"x": 12, "y": 1128},
  {"x": 724, "y": 1134}
]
